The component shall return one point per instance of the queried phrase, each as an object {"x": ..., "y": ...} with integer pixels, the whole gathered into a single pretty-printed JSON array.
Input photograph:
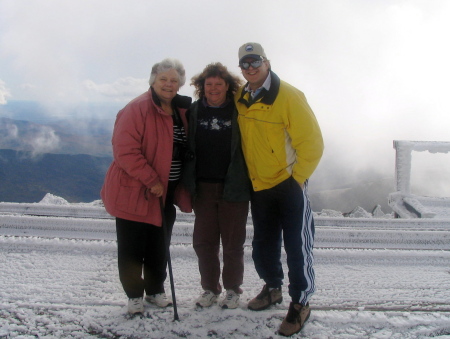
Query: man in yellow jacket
[{"x": 282, "y": 145}]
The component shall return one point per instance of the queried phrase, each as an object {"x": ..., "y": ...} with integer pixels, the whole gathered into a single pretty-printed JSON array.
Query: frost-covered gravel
[{"x": 55, "y": 287}]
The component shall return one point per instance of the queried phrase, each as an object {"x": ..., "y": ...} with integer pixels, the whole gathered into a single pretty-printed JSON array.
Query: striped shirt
[{"x": 179, "y": 145}]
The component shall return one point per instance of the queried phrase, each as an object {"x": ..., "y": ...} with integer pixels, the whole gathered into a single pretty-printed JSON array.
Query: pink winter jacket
[{"x": 142, "y": 148}]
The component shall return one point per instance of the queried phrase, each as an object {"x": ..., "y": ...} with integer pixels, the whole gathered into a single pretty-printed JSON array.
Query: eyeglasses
[{"x": 254, "y": 64}]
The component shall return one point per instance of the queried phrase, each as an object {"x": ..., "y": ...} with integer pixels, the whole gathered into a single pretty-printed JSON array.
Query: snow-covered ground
[{"x": 376, "y": 278}]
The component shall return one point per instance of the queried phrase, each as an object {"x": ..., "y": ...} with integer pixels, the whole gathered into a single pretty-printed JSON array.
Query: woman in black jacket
[{"x": 217, "y": 178}]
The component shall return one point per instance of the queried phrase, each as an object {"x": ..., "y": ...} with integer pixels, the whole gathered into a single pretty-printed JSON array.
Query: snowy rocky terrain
[{"x": 377, "y": 277}]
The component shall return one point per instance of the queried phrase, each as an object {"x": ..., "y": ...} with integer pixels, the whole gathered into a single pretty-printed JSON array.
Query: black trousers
[{"x": 142, "y": 253}]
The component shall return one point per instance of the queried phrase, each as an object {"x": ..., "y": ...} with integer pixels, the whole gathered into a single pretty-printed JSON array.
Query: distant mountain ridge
[
  {"x": 78, "y": 178},
  {"x": 41, "y": 113},
  {"x": 63, "y": 136},
  {"x": 68, "y": 157},
  {"x": 81, "y": 129},
  {"x": 28, "y": 178}
]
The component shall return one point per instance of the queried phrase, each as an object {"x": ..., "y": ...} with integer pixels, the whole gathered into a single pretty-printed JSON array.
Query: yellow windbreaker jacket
[{"x": 280, "y": 135}]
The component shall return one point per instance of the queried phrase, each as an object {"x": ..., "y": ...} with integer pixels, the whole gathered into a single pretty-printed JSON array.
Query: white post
[{"x": 403, "y": 166}]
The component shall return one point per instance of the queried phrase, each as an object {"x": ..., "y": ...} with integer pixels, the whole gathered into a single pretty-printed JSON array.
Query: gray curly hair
[{"x": 166, "y": 65}]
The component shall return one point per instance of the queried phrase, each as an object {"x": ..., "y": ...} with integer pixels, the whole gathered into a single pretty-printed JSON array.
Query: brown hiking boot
[
  {"x": 295, "y": 319},
  {"x": 265, "y": 298}
]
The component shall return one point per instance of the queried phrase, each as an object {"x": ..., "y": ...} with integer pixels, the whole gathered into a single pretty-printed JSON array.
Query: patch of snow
[
  {"x": 50, "y": 199},
  {"x": 358, "y": 212},
  {"x": 329, "y": 213},
  {"x": 54, "y": 287}
]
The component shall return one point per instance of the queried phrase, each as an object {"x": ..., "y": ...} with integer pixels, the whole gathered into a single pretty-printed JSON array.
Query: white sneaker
[
  {"x": 206, "y": 299},
  {"x": 159, "y": 299},
  {"x": 231, "y": 300},
  {"x": 135, "y": 305}
]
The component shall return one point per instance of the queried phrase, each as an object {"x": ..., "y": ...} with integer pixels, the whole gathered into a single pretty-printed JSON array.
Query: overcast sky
[{"x": 372, "y": 70}]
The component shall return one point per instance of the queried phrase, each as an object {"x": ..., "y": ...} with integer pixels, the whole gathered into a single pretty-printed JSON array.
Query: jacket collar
[
  {"x": 267, "y": 97},
  {"x": 179, "y": 101}
]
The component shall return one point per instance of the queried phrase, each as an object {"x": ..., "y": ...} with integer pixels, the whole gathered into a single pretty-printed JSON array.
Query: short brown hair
[{"x": 215, "y": 69}]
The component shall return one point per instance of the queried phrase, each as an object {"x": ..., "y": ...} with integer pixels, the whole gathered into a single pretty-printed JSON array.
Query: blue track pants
[{"x": 284, "y": 212}]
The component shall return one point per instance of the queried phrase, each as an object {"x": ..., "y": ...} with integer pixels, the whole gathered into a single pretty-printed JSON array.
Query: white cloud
[
  {"x": 121, "y": 89},
  {"x": 44, "y": 141},
  {"x": 373, "y": 71},
  {"x": 4, "y": 93},
  {"x": 37, "y": 139},
  {"x": 12, "y": 131}
]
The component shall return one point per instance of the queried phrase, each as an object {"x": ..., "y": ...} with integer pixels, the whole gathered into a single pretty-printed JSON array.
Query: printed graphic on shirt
[{"x": 215, "y": 124}]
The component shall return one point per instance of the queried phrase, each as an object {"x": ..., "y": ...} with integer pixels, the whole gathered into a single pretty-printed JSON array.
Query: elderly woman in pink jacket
[{"x": 148, "y": 148}]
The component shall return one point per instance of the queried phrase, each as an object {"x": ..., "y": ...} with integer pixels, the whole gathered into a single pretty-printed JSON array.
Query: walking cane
[{"x": 169, "y": 262}]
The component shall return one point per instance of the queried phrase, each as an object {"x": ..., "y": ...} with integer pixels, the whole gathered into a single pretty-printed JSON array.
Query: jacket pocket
[
  {"x": 131, "y": 198},
  {"x": 276, "y": 140}
]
